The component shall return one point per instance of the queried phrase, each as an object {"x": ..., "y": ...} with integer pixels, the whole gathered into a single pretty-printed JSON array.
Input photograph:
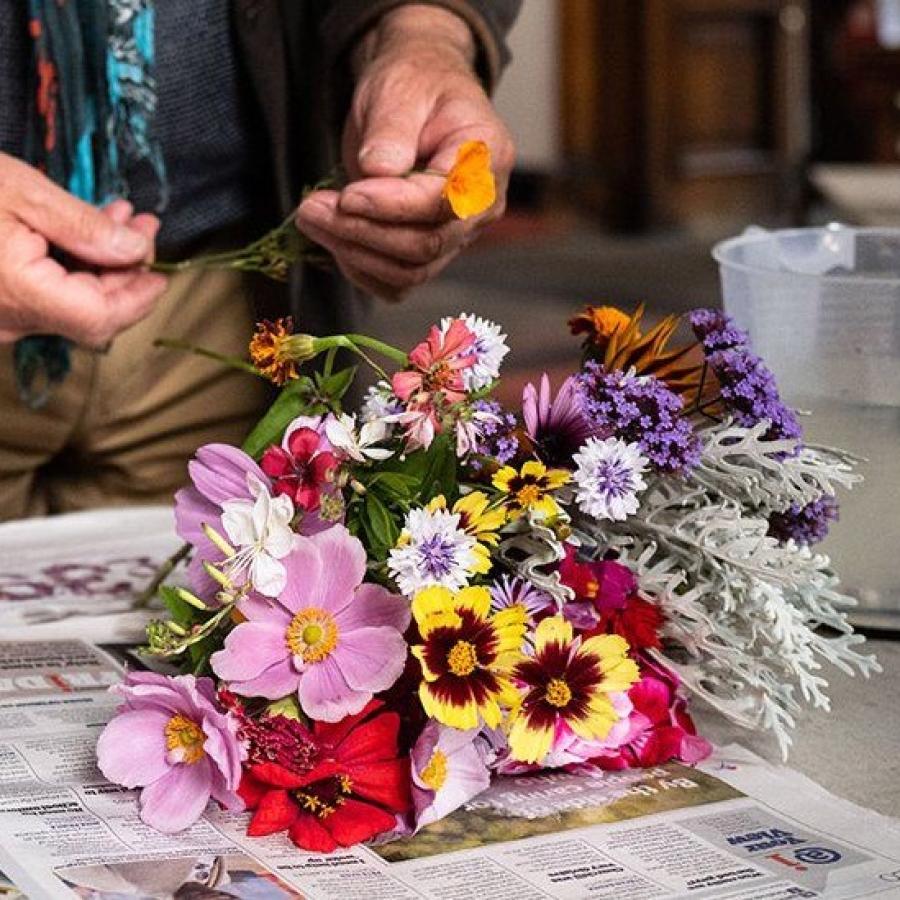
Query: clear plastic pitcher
[{"x": 822, "y": 306}]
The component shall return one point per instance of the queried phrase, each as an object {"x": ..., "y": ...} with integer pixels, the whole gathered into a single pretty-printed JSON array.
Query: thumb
[
  {"x": 76, "y": 226},
  {"x": 389, "y": 137}
]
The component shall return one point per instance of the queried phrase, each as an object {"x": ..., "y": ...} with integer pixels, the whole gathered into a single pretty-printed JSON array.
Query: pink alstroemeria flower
[
  {"x": 172, "y": 739},
  {"x": 437, "y": 365},
  {"x": 329, "y": 637},
  {"x": 448, "y": 769}
]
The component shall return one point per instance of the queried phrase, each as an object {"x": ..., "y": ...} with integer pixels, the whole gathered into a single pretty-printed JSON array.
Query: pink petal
[
  {"x": 131, "y": 750},
  {"x": 405, "y": 384},
  {"x": 224, "y": 755},
  {"x": 375, "y": 605},
  {"x": 343, "y": 568},
  {"x": 275, "y": 682},
  {"x": 220, "y": 471},
  {"x": 371, "y": 659},
  {"x": 304, "y": 566},
  {"x": 325, "y": 695},
  {"x": 250, "y": 649},
  {"x": 178, "y": 799},
  {"x": 259, "y": 609}
]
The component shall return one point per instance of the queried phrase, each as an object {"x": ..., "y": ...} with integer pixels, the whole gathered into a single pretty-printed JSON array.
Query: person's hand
[
  {"x": 417, "y": 99},
  {"x": 38, "y": 295}
]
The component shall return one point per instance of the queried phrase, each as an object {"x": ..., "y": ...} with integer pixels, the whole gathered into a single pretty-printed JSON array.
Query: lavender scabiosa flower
[
  {"x": 642, "y": 411},
  {"x": 806, "y": 525},
  {"x": 716, "y": 331},
  {"x": 496, "y": 433},
  {"x": 558, "y": 427},
  {"x": 750, "y": 394},
  {"x": 609, "y": 478}
]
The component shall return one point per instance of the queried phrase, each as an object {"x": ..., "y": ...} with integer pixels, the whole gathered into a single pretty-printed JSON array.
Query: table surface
[{"x": 853, "y": 751}]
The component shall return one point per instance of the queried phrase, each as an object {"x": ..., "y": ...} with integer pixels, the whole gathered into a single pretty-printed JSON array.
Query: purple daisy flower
[
  {"x": 516, "y": 591},
  {"x": 172, "y": 739},
  {"x": 558, "y": 427},
  {"x": 640, "y": 410},
  {"x": 329, "y": 637},
  {"x": 806, "y": 525}
]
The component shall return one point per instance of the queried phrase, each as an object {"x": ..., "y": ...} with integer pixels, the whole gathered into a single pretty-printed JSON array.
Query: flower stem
[
  {"x": 162, "y": 573},
  {"x": 231, "y": 361}
]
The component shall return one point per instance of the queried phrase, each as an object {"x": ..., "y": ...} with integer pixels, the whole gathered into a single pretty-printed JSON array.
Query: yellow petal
[
  {"x": 621, "y": 676},
  {"x": 529, "y": 745},
  {"x": 604, "y": 645},
  {"x": 478, "y": 599},
  {"x": 502, "y": 478},
  {"x": 533, "y": 467},
  {"x": 546, "y": 507},
  {"x": 437, "y": 503},
  {"x": 555, "y": 630},
  {"x": 482, "y": 564},
  {"x": 556, "y": 478}
]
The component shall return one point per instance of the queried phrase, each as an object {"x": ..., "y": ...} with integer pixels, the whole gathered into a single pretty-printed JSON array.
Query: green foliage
[{"x": 295, "y": 399}]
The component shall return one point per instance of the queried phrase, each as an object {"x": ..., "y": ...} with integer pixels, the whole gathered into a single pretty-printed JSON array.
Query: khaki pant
[{"x": 123, "y": 425}]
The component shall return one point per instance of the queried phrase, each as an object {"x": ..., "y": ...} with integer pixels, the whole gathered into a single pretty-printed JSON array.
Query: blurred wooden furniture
[{"x": 685, "y": 111}]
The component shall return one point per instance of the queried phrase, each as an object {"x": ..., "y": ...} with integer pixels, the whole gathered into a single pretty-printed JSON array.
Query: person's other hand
[
  {"x": 38, "y": 295},
  {"x": 417, "y": 99}
]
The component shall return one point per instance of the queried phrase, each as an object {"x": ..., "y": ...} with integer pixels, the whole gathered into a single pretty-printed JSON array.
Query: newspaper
[
  {"x": 55, "y": 572},
  {"x": 734, "y": 827}
]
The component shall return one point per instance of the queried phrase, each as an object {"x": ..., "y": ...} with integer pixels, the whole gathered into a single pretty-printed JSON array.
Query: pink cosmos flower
[
  {"x": 558, "y": 427},
  {"x": 171, "y": 738},
  {"x": 448, "y": 769},
  {"x": 437, "y": 364},
  {"x": 329, "y": 637}
]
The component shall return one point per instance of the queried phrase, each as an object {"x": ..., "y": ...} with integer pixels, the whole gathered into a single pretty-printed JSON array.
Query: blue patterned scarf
[{"x": 93, "y": 100}]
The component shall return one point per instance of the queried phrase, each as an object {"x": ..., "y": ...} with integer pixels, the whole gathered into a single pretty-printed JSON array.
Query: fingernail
[
  {"x": 128, "y": 242},
  {"x": 356, "y": 204}
]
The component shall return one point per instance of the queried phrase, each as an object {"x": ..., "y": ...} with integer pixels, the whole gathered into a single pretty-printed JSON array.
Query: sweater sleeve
[{"x": 345, "y": 21}]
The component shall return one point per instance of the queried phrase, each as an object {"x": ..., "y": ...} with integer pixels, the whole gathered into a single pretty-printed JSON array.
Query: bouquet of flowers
[{"x": 389, "y": 607}]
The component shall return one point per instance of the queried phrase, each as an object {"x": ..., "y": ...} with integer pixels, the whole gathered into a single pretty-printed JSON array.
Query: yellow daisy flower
[
  {"x": 466, "y": 655},
  {"x": 530, "y": 489}
]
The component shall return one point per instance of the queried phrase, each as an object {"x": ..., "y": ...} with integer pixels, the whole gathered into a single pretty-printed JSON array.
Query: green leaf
[
  {"x": 182, "y": 613},
  {"x": 286, "y": 706},
  {"x": 336, "y": 386},
  {"x": 440, "y": 475},
  {"x": 380, "y": 525},
  {"x": 291, "y": 402},
  {"x": 393, "y": 485}
]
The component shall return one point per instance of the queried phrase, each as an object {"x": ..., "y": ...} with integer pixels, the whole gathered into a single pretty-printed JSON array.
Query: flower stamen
[
  {"x": 184, "y": 740},
  {"x": 312, "y": 634}
]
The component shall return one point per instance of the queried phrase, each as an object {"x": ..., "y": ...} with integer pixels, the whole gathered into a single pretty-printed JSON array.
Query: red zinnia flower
[
  {"x": 349, "y": 790},
  {"x": 301, "y": 471},
  {"x": 638, "y": 622}
]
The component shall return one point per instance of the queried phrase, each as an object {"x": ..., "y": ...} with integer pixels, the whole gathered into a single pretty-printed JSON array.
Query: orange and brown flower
[{"x": 277, "y": 352}]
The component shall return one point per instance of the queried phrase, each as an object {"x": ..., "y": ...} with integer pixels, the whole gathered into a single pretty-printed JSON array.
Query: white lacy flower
[
  {"x": 260, "y": 529},
  {"x": 490, "y": 348},
  {"x": 433, "y": 550},
  {"x": 608, "y": 478},
  {"x": 379, "y": 403},
  {"x": 343, "y": 436}
]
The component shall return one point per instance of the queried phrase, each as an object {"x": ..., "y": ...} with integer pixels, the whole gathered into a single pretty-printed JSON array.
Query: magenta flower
[
  {"x": 448, "y": 769},
  {"x": 558, "y": 427},
  {"x": 171, "y": 739},
  {"x": 329, "y": 637}
]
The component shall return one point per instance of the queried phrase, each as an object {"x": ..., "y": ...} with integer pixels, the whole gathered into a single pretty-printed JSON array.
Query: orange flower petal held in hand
[{"x": 470, "y": 187}]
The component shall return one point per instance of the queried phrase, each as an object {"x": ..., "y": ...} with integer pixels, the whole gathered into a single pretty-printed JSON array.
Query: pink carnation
[
  {"x": 329, "y": 637},
  {"x": 171, "y": 739}
]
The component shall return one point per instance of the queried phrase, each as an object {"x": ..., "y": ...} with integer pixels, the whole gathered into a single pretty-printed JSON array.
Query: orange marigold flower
[
  {"x": 470, "y": 187},
  {"x": 277, "y": 352},
  {"x": 599, "y": 323}
]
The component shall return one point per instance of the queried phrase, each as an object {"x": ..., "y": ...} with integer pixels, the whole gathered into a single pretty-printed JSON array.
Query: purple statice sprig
[
  {"x": 496, "y": 434},
  {"x": 640, "y": 410},
  {"x": 805, "y": 525},
  {"x": 716, "y": 330}
]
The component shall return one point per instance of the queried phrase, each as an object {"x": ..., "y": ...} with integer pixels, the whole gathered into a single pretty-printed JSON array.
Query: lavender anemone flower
[
  {"x": 171, "y": 739},
  {"x": 558, "y": 427}
]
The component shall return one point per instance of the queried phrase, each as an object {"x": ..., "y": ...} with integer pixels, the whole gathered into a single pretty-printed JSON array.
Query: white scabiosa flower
[
  {"x": 608, "y": 478},
  {"x": 490, "y": 348},
  {"x": 433, "y": 551}
]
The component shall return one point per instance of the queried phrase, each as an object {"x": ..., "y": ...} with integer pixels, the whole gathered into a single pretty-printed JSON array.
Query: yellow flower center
[
  {"x": 462, "y": 659},
  {"x": 312, "y": 634},
  {"x": 435, "y": 773},
  {"x": 529, "y": 495},
  {"x": 184, "y": 740},
  {"x": 324, "y": 798},
  {"x": 558, "y": 693}
]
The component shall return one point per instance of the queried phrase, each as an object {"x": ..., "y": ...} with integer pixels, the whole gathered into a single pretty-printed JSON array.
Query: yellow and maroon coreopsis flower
[
  {"x": 277, "y": 352},
  {"x": 531, "y": 488},
  {"x": 568, "y": 680},
  {"x": 466, "y": 655}
]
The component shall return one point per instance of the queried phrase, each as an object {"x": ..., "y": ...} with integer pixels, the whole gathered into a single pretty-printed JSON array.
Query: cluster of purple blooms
[
  {"x": 640, "y": 410},
  {"x": 496, "y": 432},
  {"x": 806, "y": 525},
  {"x": 748, "y": 387}
]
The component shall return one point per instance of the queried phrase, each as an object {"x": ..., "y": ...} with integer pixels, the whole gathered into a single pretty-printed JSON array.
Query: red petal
[
  {"x": 250, "y": 790},
  {"x": 354, "y": 822},
  {"x": 386, "y": 783},
  {"x": 332, "y": 735},
  {"x": 370, "y": 742},
  {"x": 276, "y": 812},
  {"x": 278, "y": 776},
  {"x": 321, "y": 466},
  {"x": 307, "y": 496},
  {"x": 303, "y": 443},
  {"x": 308, "y": 834},
  {"x": 276, "y": 462}
]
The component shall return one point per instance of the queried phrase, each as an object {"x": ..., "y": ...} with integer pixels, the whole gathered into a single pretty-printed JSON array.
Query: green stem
[
  {"x": 392, "y": 353},
  {"x": 162, "y": 573},
  {"x": 231, "y": 361}
]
